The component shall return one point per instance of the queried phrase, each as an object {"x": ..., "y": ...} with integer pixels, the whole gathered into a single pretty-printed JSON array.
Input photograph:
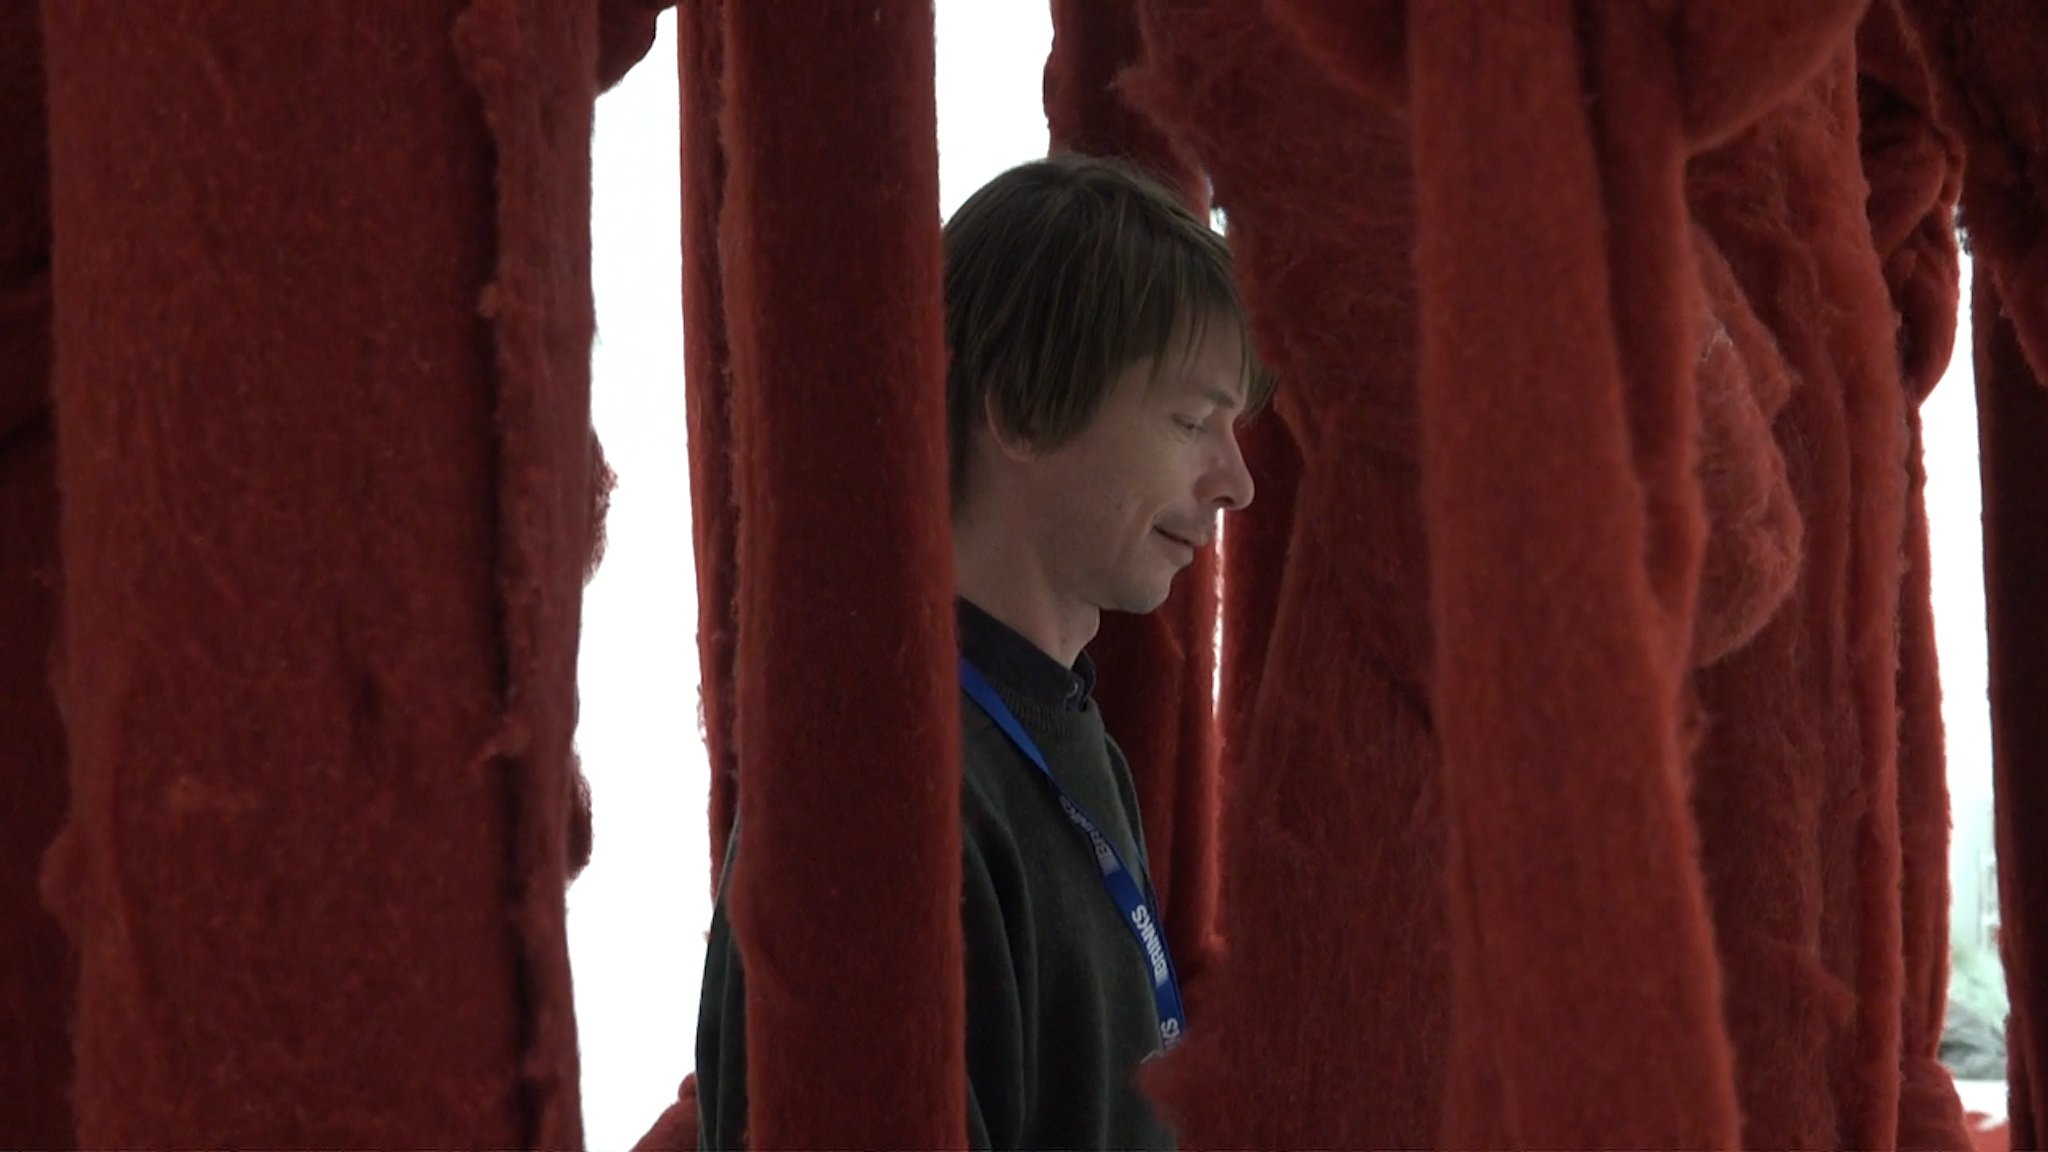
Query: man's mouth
[{"x": 1190, "y": 545}]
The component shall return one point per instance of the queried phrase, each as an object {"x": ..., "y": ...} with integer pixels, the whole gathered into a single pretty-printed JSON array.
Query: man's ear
[{"x": 1013, "y": 446}]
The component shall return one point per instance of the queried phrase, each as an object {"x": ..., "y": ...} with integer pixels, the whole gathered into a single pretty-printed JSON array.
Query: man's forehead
[
  {"x": 1220, "y": 382},
  {"x": 1213, "y": 367}
]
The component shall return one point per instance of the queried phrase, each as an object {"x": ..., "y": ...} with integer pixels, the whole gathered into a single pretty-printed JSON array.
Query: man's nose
[{"x": 1230, "y": 481}]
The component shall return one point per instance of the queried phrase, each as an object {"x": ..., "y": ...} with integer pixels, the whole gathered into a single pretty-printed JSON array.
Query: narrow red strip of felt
[{"x": 845, "y": 894}]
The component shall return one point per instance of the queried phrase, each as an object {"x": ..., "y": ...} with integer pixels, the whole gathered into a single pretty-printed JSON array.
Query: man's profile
[{"x": 1099, "y": 365}]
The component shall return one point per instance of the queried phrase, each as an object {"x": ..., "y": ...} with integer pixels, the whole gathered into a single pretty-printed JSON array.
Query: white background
[{"x": 637, "y": 915}]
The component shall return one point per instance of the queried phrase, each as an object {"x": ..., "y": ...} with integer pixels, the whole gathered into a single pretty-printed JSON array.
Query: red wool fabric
[
  {"x": 1995, "y": 94},
  {"x": 845, "y": 894},
  {"x": 707, "y": 395},
  {"x": 1914, "y": 164},
  {"x": 1805, "y": 798},
  {"x": 1086, "y": 107},
  {"x": 1991, "y": 90},
  {"x": 1330, "y": 803},
  {"x": 38, "y": 965},
  {"x": 326, "y": 517},
  {"x": 1747, "y": 561},
  {"x": 1158, "y": 672},
  {"x": 2012, "y": 415},
  {"x": 1564, "y": 538},
  {"x": 1581, "y": 740},
  {"x": 534, "y": 68},
  {"x": 625, "y": 33}
]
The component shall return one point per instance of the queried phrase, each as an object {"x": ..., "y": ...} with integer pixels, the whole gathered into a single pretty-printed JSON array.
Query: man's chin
[{"x": 1146, "y": 601}]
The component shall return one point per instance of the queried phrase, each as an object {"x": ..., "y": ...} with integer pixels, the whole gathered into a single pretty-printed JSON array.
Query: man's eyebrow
[{"x": 1222, "y": 398}]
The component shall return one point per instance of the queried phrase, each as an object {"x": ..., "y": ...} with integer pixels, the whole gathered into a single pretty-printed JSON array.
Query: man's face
[{"x": 1124, "y": 505}]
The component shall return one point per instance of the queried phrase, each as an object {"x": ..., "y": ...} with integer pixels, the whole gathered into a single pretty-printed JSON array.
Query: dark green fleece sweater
[{"x": 1059, "y": 1004}]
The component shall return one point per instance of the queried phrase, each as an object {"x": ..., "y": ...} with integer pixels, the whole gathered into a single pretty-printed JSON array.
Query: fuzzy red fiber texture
[
  {"x": 38, "y": 964},
  {"x": 1329, "y": 800},
  {"x": 1798, "y": 770},
  {"x": 1991, "y": 91},
  {"x": 846, "y": 714},
  {"x": 707, "y": 384},
  {"x": 1775, "y": 546},
  {"x": 1914, "y": 163},
  {"x": 322, "y": 326},
  {"x": 2012, "y": 413},
  {"x": 1577, "y": 776}
]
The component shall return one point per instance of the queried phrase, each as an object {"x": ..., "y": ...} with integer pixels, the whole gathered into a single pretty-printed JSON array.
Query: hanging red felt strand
[
  {"x": 844, "y": 895},
  {"x": 327, "y": 513},
  {"x": 2012, "y": 414},
  {"x": 38, "y": 965},
  {"x": 1914, "y": 165},
  {"x": 1985, "y": 57},
  {"x": 707, "y": 393},
  {"x": 1586, "y": 1003},
  {"x": 1331, "y": 906}
]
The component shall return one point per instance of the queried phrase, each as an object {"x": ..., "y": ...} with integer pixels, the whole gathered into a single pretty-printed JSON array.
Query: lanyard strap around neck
[{"x": 1139, "y": 912}]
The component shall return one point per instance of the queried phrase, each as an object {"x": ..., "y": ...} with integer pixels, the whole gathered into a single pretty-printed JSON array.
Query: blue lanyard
[{"x": 1137, "y": 907}]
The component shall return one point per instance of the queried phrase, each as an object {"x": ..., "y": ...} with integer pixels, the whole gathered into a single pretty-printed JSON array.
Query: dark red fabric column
[
  {"x": 707, "y": 392},
  {"x": 1988, "y": 55},
  {"x": 1796, "y": 778},
  {"x": 535, "y": 67},
  {"x": 845, "y": 894},
  {"x": 1630, "y": 152},
  {"x": 1930, "y": 1113},
  {"x": 1761, "y": 776},
  {"x": 1331, "y": 904},
  {"x": 1158, "y": 672},
  {"x": 38, "y": 968},
  {"x": 1995, "y": 51},
  {"x": 1586, "y": 1003},
  {"x": 2012, "y": 413},
  {"x": 1748, "y": 510},
  {"x": 1086, "y": 107},
  {"x": 322, "y": 331},
  {"x": 1914, "y": 165},
  {"x": 1986, "y": 61}
]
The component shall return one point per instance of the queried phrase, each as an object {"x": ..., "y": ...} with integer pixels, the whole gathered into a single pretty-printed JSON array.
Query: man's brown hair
[{"x": 1060, "y": 275}]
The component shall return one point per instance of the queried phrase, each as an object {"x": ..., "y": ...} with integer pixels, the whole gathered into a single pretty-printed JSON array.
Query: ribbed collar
[{"x": 1016, "y": 664}]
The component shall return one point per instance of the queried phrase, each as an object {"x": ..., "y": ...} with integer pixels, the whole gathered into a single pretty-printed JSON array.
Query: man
[{"x": 1099, "y": 366}]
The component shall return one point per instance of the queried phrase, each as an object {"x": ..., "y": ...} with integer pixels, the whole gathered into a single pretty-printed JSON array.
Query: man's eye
[{"x": 1187, "y": 425}]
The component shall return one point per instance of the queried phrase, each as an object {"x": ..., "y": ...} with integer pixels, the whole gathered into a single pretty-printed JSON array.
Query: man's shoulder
[
  {"x": 985, "y": 753},
  {"x": 1000, "y": 795}
]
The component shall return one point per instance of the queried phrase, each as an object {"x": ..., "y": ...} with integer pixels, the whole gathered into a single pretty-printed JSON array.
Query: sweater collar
[{"x": 1019, "y": 666}]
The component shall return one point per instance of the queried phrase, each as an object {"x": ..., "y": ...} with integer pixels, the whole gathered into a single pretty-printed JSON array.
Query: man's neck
[{"x": 1002, "y": 579}]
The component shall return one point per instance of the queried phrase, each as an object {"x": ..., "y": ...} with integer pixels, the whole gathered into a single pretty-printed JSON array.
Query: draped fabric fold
[
  {"x": 844, "y": 895},
  {"x": 1332, "y": 805},
  {"x": 39, "y": 965},
  {"x": 1990, "y": 91},
  {"x": 328, "y": 509}
]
